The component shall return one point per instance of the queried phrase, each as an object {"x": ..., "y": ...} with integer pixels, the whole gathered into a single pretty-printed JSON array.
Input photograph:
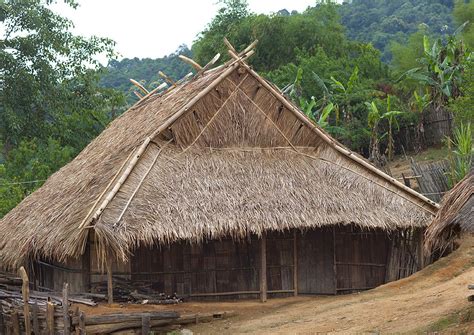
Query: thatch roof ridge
[{"x": 456, "y": 214}]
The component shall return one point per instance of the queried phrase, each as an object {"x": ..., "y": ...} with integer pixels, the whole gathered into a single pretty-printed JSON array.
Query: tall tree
[{"x": 39, "y": 58}]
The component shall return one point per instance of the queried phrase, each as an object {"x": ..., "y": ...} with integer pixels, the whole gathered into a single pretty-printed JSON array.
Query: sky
[{"x": 155, "y": 28}]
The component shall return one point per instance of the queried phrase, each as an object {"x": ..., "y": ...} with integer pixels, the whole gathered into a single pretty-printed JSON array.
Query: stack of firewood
[{"x": 134, "y": 292}]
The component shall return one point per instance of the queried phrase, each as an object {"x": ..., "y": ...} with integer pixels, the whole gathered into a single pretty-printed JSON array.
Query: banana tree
[
  {"x": 374, "y": 119},
  {"x": 343, "y": 93},
  {"x": 419, "y": 104},
  {"x": 317, "y": 110},
  {"x": 442, "y": 66},
  {"x": 460, "y": 153}
]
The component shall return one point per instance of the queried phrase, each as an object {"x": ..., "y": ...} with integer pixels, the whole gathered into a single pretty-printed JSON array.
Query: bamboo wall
[{"x": 329, "y": 260}]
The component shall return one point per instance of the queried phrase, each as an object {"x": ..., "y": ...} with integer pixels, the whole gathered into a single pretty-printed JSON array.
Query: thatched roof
[
  {"x": 455, "y": 215},
  {"x": 221, "y": 154}
]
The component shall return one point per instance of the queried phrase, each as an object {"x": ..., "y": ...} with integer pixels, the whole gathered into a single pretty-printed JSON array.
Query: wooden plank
[
  {"x": 218, "y": 294},
  {"x": 263, "y": 268},
  {"x": 25, "y": 290}
]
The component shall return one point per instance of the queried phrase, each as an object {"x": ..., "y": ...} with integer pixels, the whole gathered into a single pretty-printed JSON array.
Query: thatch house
[
  {"x": 455, "y": 217},
  {"x": 218, "y": 186}
]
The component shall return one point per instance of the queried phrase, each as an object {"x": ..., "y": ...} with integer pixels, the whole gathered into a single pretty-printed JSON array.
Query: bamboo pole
[
  {"x": 295, "y": 263},
  {"x": 122, "y": 179},
  {"x": 191, "y": 62},
  {"x": 25, "y": 290},
  {"x": 140, "y": 184},
  {"x": 140, "y": 86},
  {"x": 138, "y": 95},
  {"x": 263, "y": 268},
  {"x": 208, "y": 65},
  {"x": 332, "y": 143},
  {"x": 166, "y": 78},
  {"x": 114, "y": 178}
]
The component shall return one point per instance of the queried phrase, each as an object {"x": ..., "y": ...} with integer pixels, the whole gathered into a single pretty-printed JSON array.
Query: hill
[
  {"x": 117, "y": 74},
  {"x": 382, "y": 22}
]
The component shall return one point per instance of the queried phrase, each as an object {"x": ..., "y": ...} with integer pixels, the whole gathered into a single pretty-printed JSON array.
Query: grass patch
[
  {"x": 460, "y": 318},
  {"x": 432, "y": 154}
]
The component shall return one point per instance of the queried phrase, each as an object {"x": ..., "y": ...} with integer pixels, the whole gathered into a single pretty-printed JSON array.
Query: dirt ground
[{"x": 431, "y": 301}]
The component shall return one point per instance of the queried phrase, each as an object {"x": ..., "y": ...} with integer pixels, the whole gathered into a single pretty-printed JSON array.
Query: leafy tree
[
  {"x": 50, "y": 103},
  {"x": 281, "y": 38},
  {"x": 38, "y": 54},
  {"x": 383, "y": 22}
]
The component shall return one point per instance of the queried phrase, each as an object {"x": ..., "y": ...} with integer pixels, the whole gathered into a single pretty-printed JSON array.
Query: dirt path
[{"x": 433, "y": 299}]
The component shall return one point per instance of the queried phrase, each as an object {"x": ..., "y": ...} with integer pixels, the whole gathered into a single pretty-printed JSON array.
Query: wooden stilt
[
  {"x": 25, "y": 290},
  {"x": 295, "y": 263},
  {"x": 110, "y": 288},
  {"x": 263, "y": 268}
]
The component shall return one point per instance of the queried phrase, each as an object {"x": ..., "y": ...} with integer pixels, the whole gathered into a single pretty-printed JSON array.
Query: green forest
[{"x": 367, "y": 71}]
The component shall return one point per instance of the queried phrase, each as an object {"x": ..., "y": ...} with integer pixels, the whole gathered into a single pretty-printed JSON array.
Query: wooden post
[
  {"x": 295, "y": 263},
  {"x": 82, "y": 324},
  {"x": 66, "y": 318},
  {"x": 263, "y": 268},
  {"x": 146, "y": 324},
  {"x": 50, "y": 318},
  {"x": 35, "y": 318},
  {"x": 25, "y": 290},
  {"x": 3, "y": 328},
  {"x": 334, "y": 258},
  {"x": 15, "y": 323},
  {"x": 110, "y": 288},
  {"x": 421, "y": 254}
]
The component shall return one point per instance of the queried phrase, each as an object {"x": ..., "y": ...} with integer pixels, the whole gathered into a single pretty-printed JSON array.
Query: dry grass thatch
[
  {"x": 455, "y": 215},
  {"x": 223, "y": 153}
]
